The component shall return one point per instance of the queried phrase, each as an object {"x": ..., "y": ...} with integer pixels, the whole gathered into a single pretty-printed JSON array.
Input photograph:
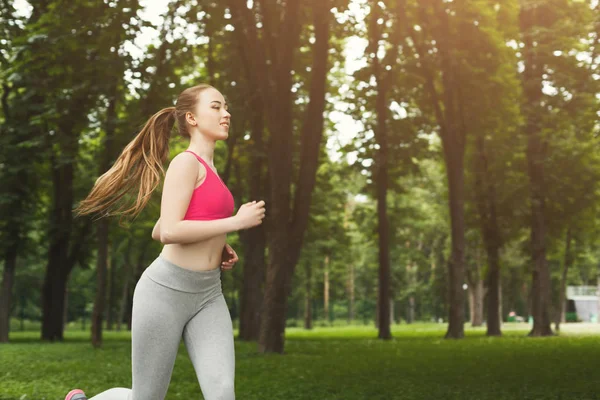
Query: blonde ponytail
[{"x": 138, "y": 168}]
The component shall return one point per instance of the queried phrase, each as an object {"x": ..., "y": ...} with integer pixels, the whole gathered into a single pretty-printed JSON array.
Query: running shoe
[{"x": 76, "y": 394}]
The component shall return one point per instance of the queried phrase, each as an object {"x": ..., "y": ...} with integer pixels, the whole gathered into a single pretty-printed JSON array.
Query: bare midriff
[{"x": 198, "y": 256}]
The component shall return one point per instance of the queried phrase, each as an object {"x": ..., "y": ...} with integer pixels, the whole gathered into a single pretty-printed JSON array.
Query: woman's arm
[
  {"x": 190, "y": 231},
  {"x": 156, "y": 230},
  {"x": 177, "y": 191}
]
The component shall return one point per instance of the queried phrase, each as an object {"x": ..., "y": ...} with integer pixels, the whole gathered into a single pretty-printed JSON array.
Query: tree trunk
[
  {"x": 308, "y": 297},
  {"x": 8, "y": 279},
  {"x": 411, "y": 310},
  {"x": 471, "y": 302},
  {"x": 110, "y": 315},
  {"x": 377, "y": 314},
  {"x": 127, "y": 268},
  {"x": 500, "y": 303},
  {"x": 540, "y": 287},
  {"x": 253, "y": 282},
  {"x": 453, "y": 135},
  {"x": 103, "y": 225},
  {"x": 562, "y": 303},
  {"x": 486, "y": 205},
  {"x": 66, "y": 307},
  {"x": 101, "y": 269},
  {"x": 432, "y": 279},
  {"x": 57, "y": 274},
  {"x": 494, "y": 305},
  {"x": 254, "y": 241},
  {"x": 476, "y": 292},
  {"x": 351, "y": 294},
  {"x": 532, "y": 88},
  {"x": 59, "y": 265},
  {"x": 383, "y": 225},
  {"x": 476, "y": 288},
  {"x": 529, "y": 296},
  {"x": 383, "y": 79},
  {"x": 456, "y": 272},
  {"x": 326, "y": 313},
  {"x": 138, "y": 270},
  {"x": 53, "y": 297},
  {"x": 447, "y": 110}
]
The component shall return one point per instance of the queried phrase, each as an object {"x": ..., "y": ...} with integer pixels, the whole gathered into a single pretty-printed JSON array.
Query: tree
[
  {"x": 17, "y": 143},
  {"x": 551, "y": 60},
  {"x": 383, "y": 75},
  {"x": 270, "y": 57}
]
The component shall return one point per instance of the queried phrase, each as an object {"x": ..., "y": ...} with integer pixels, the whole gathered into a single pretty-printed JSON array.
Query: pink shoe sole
[{"x": 76, "y": 394}]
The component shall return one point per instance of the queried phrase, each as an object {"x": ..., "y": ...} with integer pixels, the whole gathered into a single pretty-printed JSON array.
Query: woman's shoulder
[
  {"x": 184, "y": 158},
  {"x": 184, "y": 163}
]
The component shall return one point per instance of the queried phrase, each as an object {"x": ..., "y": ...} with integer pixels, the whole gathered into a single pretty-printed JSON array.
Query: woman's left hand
[{"x": 228, "y": 258}]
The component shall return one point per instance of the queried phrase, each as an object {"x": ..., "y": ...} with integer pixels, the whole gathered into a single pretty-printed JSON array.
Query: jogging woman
[{"x": 179, "y": 295}]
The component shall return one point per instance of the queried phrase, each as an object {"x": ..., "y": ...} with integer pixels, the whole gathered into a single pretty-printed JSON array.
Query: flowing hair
[{"x": 140, "y": 166}]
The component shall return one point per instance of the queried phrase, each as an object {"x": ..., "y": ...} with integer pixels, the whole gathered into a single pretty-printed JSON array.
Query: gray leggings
[{"x": 170, "y": 302}]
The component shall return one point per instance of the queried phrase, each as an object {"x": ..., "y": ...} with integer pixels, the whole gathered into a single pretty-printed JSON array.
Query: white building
[{"x": 586, "y": 300}]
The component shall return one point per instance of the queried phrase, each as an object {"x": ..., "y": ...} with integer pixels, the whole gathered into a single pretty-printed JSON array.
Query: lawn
[{"x": 332, "y": 363}]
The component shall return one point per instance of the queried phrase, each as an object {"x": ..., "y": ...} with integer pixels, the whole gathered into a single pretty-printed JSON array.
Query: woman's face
[{"x": 212, "y": 116}]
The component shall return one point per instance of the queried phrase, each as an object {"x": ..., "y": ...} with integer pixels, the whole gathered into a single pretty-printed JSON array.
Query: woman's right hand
[{"x": 251, "y": 214}]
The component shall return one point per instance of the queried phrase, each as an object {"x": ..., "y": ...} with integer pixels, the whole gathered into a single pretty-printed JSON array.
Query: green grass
[{"x": 330, "y": 363}]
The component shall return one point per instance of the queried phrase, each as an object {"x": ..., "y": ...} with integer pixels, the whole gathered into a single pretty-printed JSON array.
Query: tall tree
[
  {"x": 102, "y": 227},
  {"x": 254, "y": 240},
  {"x": 383, "y": 71},
  {"x": 532, "y": 88},
  {"x": 271, "y": 57},
  {"x": 560, "y": 99},
  {"x": 435, "y": 30},
  {"x": 76, "y": 92},
  {"x": 17, "y": 143},
  {"x": 494, "y": 152}
]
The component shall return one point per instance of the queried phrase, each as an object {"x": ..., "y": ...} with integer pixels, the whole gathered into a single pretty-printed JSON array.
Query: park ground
[{"x": 332, "y": 363}]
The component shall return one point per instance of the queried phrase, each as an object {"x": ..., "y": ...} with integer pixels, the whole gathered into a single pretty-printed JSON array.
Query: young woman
[{"x": 179, "y": 294}]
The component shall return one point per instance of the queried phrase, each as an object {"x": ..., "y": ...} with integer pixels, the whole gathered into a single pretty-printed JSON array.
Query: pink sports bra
[{"x": 212, "y": 199}]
